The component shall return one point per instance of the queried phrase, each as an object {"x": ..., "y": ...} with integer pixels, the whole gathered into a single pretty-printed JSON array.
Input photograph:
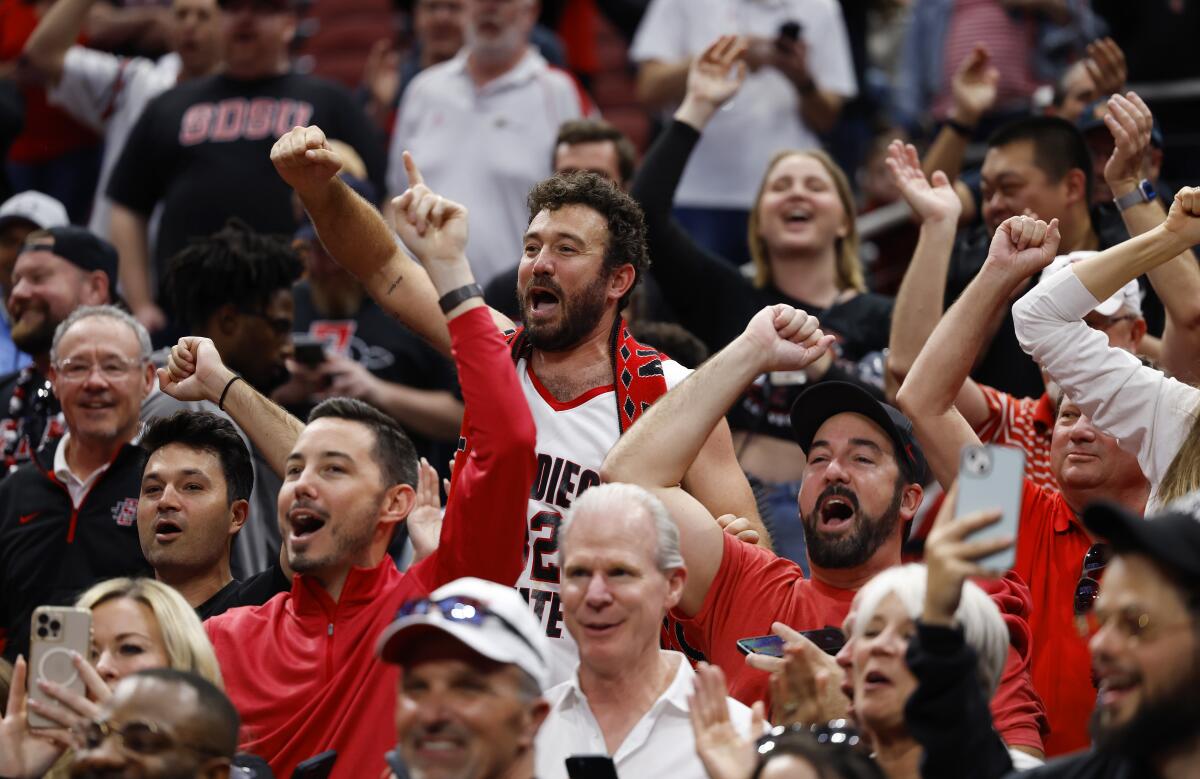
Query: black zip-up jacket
[{"x": 51, "y": 552}]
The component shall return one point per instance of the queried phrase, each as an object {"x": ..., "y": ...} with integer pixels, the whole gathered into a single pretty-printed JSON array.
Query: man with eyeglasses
[
  {"x": 68, "y": 519},
  {"x": 160, "y": 724},
  {"x": 1145, "y": 650},
  {"x": 470, "y": 702},
  {"x": 301, "y": 668},
  {"x": 1086, "y": 464},
  {"x": 235, "y": 288}
]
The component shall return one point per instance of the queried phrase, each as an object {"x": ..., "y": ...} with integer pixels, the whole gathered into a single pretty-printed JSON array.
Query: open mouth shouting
[
  {"x": 304, "y": 522},
  {"x": 166, "y": 530},
  {"x": 541, "y": 302},
  {"x": 836, "y": 512}
]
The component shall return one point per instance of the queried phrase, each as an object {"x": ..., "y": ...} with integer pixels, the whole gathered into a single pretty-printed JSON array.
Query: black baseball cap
[
  {"x": 830, "y": 398},
  {"x": 80, "y": 247},
  {"x": 1171, "y": 538}
]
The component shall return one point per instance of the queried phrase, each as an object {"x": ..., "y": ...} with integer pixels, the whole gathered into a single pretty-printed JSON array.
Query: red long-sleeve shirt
[{"x": 302, "y": 670}]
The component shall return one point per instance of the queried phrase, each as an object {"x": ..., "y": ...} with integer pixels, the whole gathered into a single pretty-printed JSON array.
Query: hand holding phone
[
  {"x": 56, "y": 632},
  {"x": 991, "y": 478}
]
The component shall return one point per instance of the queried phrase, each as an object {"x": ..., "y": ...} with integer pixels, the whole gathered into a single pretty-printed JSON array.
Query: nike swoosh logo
[{"x": 28, "y": 517}]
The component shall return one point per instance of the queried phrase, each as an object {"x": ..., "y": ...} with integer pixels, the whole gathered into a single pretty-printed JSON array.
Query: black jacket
[
  {"x": 1089, "y": 765},
  {"x": 51, "y": 552}
]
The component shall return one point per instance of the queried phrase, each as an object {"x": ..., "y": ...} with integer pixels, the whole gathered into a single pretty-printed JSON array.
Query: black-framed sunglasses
[
  {"x": 838, "y": 732},
  {"x": 461, "y": 609},
  {"x": 1087, "y": 589},
  {"x": 138, "y": 737}
]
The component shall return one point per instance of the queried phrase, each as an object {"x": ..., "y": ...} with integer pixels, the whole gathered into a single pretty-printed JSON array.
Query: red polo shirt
[
  {"x": 1050, "y": 549},
  {"x": 1023, "y": 423},
  {"x": 754, "y": 587}
]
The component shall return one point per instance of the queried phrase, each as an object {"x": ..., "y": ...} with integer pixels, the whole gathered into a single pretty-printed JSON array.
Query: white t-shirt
[
  {"x": 662, "y": 743},
  {"x": 108, "y": 93},
  {"x": 764, "y": 117},
  {"x": 572, "y": 441},
  {"x": 485, "y": 148}
]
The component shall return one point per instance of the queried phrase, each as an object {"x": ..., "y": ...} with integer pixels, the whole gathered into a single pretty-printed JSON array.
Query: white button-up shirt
[
  {"x": 77, "y": 487},
  {"x": 485, "y": 147},
  {"x": 660, "y": 745}
]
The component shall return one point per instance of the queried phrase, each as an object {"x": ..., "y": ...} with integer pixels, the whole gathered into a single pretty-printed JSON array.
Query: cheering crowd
[{"x": 832, "y": 414}]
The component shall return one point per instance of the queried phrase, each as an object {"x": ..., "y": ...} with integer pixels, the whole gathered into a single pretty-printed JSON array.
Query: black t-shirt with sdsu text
[{"x": 204, "y": 150}]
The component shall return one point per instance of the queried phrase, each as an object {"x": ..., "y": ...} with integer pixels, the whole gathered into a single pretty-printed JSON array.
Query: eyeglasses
[
  {"x": 138, "y": 737},
  {"x": 281, "y": 326},
  {"x": 838, "y": 732},
  {"x": 1088, "y": 587},
  {"x": 461, "y": 609},
  {"x": 111, "y": 368}
]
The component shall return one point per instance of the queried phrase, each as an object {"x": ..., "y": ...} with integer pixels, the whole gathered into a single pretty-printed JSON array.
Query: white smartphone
[
  {"x": 57, "y": 631},
  {"x": 992, "y": 478}
]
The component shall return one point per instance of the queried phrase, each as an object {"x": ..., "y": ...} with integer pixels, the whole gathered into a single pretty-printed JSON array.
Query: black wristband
[
  {"x": 960, "y": 128},
  {"x": 224, "y": 392},
  {"x": 454, "y": 297}
]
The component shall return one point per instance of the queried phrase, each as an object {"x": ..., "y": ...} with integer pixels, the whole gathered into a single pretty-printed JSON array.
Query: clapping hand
[
  {"x": 1105, "y": 63},
  {"x": 425, "y": 519},
  {"x": 936, "y": 203},
  {"x": 726, "y": 754},
  {"x": 1130, "y": 122},
  {"x": 713, "y": 78},
  {"x": 974, "y": 87}
]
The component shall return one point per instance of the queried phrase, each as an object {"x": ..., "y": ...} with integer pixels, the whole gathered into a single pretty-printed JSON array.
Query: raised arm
[
  {"x": 483, "y": 530},
  {"x": 355, "y": 234},
  {"x": 57, "y": 30},
  {"x": 1176, "y": 281},
  {"x": 128, "y": 230},
  {"x": 657, "y": 451},
  {"x": 195, "y": 372},
  {"x": 1021, "y": 247}
]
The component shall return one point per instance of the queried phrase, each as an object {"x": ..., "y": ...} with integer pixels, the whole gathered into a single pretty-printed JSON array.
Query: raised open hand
[
  {"x": 806, "y": 683},
  {"x": 425, "y": 519},
  {"x": 1184, "y": 217},
  {"x": 936, "y": 202},
  {"x": 785, "y": 338},
  {"x": 1105, "y": 63},
  {"x": 718, "y": 73},
  {"x": 973, "y": 87},
  {"x": 1022, "y": 246},
  {"x": 1130, "y": 122},
  {"x": 194, "y": 371},
  {"x": 726, "y": 754},
  {"x": 304, "y": 159}
]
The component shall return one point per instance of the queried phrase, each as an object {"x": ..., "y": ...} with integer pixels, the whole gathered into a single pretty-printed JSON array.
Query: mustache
[
  {"x": 546, "y": 283},
  {"x": 839, "y": 491}
]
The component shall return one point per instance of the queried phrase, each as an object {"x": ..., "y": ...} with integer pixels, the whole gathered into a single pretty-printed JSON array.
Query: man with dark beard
[
  {"x": 1145, "y": 652},
  {"x": 57, "y": 271},
  {"x": 862, "y": 486},
  {"x": 585, "y": 379}
]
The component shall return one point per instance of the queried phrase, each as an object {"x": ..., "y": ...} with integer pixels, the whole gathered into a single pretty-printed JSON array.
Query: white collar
[
  {"x": 676, "y": 694},
  {"x": 526, "y": 68}
]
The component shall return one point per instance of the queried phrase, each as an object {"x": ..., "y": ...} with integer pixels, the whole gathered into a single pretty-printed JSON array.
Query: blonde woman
[
  {"x": 136, "y": 624},
  {"x": 804, "y": 245}
]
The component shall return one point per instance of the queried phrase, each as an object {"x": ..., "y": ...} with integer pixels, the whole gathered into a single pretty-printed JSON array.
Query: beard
[
  {"x": 349, "y": 536},
  {"x": 857, "y": 546},
  {"x": 578, "y": 314},
  {"x": 34, "y": 335},
  {"x": 1161, "y": 725}
]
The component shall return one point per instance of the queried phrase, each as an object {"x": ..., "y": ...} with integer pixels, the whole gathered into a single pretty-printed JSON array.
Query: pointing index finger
[{"x": 410, "y": 167}]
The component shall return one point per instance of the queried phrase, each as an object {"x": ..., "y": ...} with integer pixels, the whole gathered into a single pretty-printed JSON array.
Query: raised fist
[
  {"x": 305, "y": 160},
  {"x": 786, "y": 339},
  {"x": 1184, "y": 216},
  {"x": 1022, "y": 246},
  {"x": 194, "y": 371}
]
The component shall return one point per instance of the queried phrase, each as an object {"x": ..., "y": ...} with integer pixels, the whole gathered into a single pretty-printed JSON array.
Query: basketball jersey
[{"x": 573, "y": 438}]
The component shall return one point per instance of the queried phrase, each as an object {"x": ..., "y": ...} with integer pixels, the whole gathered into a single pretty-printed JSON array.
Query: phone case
[
  {"x": 991, "y": 478},
  {"x": 772, "y": 646},
  {"x": 591, "y": 767},
  {"x": 56, "y": 632}
]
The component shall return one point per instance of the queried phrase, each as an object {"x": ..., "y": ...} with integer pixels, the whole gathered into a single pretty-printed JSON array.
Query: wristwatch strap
[
  {"x": 454, "y": 297},
  {"x": 1142, "y": 193}
]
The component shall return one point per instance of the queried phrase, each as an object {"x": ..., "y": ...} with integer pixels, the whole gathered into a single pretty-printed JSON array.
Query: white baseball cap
[
  {"x": 489, "y": 618},
  {"x": 33, "y": 206},
  {"x": 1129, "y": 296}
]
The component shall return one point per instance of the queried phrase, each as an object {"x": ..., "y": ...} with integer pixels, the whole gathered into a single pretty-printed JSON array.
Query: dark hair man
[
  {"x": 194, "y": 500},
  {"x": 861, "y": 488},
  {"x": 160, "y": 724},
  {"x": 1145, "y": 649},
  {"x": 57, "y": 271},
  {"x": 585, "y": 379},
  {"x": 1085, "y": 463},
  {"x": 474, "y": 668},
  {"x": 200, "y": 149},
  {"x": 67, "y": 519},
  {"x": 349, "y": 477}
]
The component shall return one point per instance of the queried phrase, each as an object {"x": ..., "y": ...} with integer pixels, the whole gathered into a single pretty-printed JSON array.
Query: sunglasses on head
[
  {"x": 460, "y": 609},
  {"x": 838, "y": 733}
]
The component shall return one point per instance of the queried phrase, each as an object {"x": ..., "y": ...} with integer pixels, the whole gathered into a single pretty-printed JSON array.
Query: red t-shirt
[
  {"x": 1051, "y": 545},
  {"x": 754, "y": 587}
]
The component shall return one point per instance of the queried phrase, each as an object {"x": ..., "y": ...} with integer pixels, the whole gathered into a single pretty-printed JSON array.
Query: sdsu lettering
[{"x": 239, "y": 119}]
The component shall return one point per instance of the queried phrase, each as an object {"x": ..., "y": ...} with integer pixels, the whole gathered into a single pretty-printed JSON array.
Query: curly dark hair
[
  {"x": 233, "y": 265},
  {"x": 209, "y": 433},
  {"x": 626, "y": 224}
]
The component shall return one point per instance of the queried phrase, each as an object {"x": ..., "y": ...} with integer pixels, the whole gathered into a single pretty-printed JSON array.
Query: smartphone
[
  {"x": 591, "y": 767},
  {"x": 56, "y": 632},
  {"x": 829, "y": 639},
  {"x": 771, "y": 646},
  {"x": 396, "y": 763},
  {"x": 316, "y": 767},
  {"x": 990, "y": 478},
  {"x": 791, "y": 30},
  {"x": 308, "y": 350}
]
